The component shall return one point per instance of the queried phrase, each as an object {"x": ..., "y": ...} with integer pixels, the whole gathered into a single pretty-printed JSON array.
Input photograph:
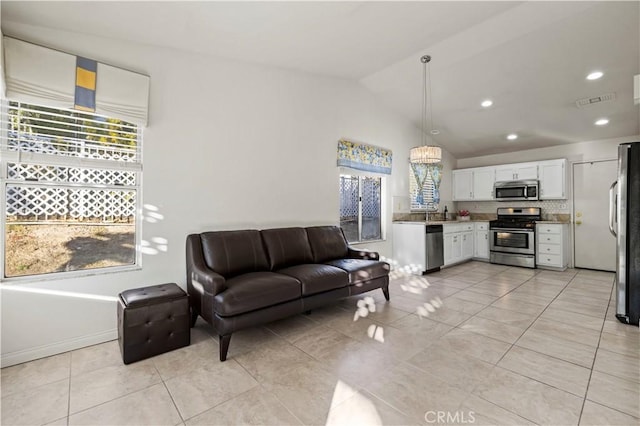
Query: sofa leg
[
  {"x": 224, "y": 346},
  {"x": 194, "y": 318},
  {"x": 385, "y": 290}
]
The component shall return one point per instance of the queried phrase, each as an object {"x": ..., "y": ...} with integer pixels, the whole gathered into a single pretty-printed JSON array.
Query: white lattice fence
[
  {"x": 33, "y": 203},
  {"x": 30, "y": 202}
]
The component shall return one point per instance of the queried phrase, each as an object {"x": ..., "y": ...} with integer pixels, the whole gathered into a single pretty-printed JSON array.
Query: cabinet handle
[
  {"x": 548, "y": 249},
  {"x": 486, "y": 237}
]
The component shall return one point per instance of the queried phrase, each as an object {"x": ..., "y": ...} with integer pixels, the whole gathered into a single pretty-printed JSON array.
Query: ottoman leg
[
  {"x": 224, "y": 346},
  {"x": 194, "y": 317}
]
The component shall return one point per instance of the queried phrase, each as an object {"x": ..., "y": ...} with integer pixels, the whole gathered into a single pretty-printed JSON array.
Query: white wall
[{"x": 229, "y": 146}]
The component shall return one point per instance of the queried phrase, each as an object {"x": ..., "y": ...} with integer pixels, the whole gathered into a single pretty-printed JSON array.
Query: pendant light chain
[
  {"x": 430, "y": 98},
  {"x": 426, "y": 154},
  {"x": 425, "y": 60}
]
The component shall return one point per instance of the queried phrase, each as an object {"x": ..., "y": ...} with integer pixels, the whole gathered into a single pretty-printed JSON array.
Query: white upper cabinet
[
  {"x": 462, "y": 185},
  {"x": 527, "y": 171},
  {"x": 483, "y": 181},
  {"x": 473, "y": 184},
  {"x": 522, "y": 171},
  {"x": 477, "y": 183},
  {"x": 552, "y": 175}
]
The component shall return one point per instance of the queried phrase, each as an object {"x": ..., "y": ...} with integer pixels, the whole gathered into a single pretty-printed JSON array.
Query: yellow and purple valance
[
  {"x": 364, "y": 157},
  {"x": 86, "y": 72}
]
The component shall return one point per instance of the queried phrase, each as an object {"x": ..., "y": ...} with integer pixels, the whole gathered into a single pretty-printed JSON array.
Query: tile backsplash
[
  {"x": 559, "y": 210},
  {"x": 548, "y": 207}
]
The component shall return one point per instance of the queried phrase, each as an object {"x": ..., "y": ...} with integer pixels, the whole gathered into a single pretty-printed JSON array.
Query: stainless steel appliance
[
  {"x": 435, "y": 248},
  {"x": 624, "y": 223},
  {"x": 516, "y": 190},
  {"x": 513, "y": 236}
]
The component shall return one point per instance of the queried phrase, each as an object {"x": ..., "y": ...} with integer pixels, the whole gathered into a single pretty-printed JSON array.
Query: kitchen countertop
[
  {"x": 439, "y": 222},
  {"x": 443, "y": 222}
]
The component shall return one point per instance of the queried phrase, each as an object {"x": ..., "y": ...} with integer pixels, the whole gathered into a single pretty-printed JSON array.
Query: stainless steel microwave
[{"x": 527, "y": 190}]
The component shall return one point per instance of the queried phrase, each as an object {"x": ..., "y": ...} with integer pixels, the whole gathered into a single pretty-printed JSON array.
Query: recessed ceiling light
[
  {"x": 602, "y": 122},
  {"x": 487, "y": 103},
  {"x": 595, "y": 75},
  {"x": 512, "y": 137}
]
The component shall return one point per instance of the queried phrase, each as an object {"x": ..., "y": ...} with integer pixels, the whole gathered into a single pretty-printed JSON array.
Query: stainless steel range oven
[{"x": 513, "y": 237}]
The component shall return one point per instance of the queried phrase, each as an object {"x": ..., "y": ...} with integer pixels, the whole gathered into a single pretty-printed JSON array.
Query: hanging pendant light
[{"x": 426, "y": 154}]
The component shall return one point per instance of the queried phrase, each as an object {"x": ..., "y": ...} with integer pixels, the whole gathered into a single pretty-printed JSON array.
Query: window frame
[
  {"x": 7, "y": 157},
  {"x": 383, "y": 184}
]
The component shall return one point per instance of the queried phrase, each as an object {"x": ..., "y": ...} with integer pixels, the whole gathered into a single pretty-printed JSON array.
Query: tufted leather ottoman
[{"x": 152, "y": 320}]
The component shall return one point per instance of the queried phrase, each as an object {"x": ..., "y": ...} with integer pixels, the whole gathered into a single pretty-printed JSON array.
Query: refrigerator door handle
[{"x": 612, "y": 207}]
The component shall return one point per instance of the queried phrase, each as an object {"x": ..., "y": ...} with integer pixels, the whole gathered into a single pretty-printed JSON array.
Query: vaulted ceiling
[{"x": 530, "y": 58}]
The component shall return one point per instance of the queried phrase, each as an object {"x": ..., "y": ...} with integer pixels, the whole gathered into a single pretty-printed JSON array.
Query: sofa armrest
[
  {"x": 355, "y": 253},
  {"x": 199, "y": 277},
  {"x": 207, "y": 281}
]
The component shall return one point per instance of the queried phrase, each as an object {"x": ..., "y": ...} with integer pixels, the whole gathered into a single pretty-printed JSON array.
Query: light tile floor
[{"x": 472, "y": 344}]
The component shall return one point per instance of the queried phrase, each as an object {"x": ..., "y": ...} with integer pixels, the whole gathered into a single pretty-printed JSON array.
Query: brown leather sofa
[{"x": 240, "y": 279}]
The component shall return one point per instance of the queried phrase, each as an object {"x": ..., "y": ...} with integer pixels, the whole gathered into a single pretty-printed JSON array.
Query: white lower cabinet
[
  {"x": 467, "y": 245},
  {"x": 458, "y": 242},
  {"x": 552, "y": 250},
  {"x": 452, "y": 248},
  {"x": 481, "y": 241}
]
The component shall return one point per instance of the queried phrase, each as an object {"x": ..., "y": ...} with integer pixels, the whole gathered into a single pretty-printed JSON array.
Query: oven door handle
[
  {"x": 511, "y": 230},
  {"x": 612, "y": 204}
]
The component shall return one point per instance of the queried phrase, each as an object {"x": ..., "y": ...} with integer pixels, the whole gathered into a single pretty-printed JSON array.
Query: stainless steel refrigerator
[{"x": 624, "y": 223}]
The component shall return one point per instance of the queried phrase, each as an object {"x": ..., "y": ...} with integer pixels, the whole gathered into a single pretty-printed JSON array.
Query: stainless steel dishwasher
[{"x": 435, "y": 248}]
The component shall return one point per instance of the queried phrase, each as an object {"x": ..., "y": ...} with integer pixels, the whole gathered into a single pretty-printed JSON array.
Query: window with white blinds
[
  {"x": 71, "y": 190},
  {"x": 426, "y": 201}
]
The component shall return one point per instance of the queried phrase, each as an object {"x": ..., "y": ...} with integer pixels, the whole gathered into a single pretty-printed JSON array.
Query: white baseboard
[{"x": 18, "y": 357}]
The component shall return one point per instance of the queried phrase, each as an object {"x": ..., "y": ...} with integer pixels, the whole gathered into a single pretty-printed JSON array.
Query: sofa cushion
[
  {"x": 327, "y": 243},
  {"x": 231, "y": 253},
  {"x": 286, "y": 247},
  {"x": 361, "y": 270},
  {"x": 255, "y": 290},
  {"x": 317, "y": 278}
]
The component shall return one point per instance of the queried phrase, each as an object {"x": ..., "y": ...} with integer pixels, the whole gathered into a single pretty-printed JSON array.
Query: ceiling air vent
[{"x": 581, "y": 103}]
